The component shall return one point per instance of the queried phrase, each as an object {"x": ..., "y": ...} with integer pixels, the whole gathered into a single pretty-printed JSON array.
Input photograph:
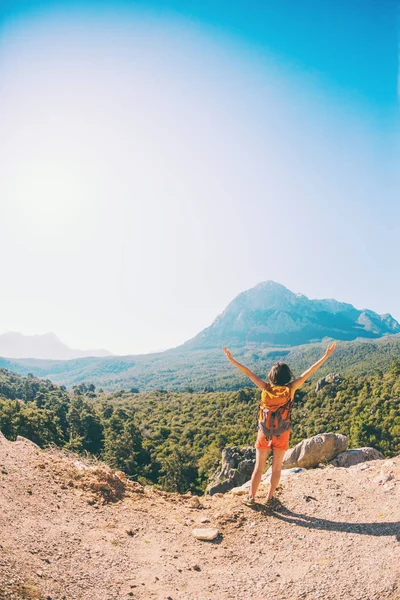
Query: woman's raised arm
[
  {"x": 259, "y": 382},
  {"x": 299, "y": 382}
]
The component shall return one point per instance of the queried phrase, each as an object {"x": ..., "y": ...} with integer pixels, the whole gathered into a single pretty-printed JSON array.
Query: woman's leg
[
  {"x": 261, "y": 459},
  {"x": 277, "y": 460}
]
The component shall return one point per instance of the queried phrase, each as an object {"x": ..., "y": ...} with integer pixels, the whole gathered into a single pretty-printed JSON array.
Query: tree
[
  {"x": 123, "y": 448},
  {"x": 84, "y": 426},
  {"x": 39, "y": 425},
  {"x": 179, "y": 470},
  {"x": 394, "y": 368}
]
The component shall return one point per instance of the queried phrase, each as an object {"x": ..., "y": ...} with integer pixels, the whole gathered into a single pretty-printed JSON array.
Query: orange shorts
[{"x": 281, "y": 443}]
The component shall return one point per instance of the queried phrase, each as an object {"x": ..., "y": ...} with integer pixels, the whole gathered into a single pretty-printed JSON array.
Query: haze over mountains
[
  {"x": 46, "y": 346},
  {"x": 267, "y": 314}
]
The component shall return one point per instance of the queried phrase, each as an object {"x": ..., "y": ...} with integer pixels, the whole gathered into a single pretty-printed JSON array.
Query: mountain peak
[
  {"x": 270, "y": 283},
  {"x": 270, "y": 286},
  {"x": 49, "y": 336},
  {"x": 45, "y": 346}
]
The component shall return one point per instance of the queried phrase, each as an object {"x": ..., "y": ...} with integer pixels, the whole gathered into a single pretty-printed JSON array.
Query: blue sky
[{"x": 160, "y": 158}]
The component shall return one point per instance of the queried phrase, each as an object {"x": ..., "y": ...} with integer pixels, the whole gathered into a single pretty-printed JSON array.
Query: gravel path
[{"x": 333, "y": 533}]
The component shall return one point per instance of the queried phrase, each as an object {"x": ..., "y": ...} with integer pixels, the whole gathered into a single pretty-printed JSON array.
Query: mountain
[
  {"x": 271, "y": 314},
  {"x": 47, "y": 346},
  {"x": 262, "y": 325}
]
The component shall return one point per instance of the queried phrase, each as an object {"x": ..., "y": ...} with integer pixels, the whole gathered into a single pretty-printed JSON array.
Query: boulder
[
  {"x": 3, "y": 439},
  {"x": 236, "y": 468},
  {"x": 238, "y": 463},
  {"x": 319, "y": 448},
  {"x": 329, "y": 379},
  {"x": 356, "y": 456}
]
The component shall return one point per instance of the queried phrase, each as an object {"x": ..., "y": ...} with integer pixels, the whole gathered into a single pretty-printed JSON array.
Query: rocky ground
[{"x": 69, "y": 532}]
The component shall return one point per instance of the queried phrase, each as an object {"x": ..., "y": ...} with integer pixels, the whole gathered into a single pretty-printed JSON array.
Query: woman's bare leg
[
  {"x": 261, "y": 459},
  {"x": 277, "y": 460}
]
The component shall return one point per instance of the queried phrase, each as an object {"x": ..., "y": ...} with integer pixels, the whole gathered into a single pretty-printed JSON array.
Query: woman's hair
[{"x": 280, "y": 374}]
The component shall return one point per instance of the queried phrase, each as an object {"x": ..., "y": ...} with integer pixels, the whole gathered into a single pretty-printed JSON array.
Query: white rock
[
  {"x": 382, "y": 478},
  {"x": 208, "y": 533},
  {"x": 80, "y": 465},
  {"x": 241, "y": 490},
  {"x": 388, "y": 487},
  {"x": 312, "y": 451}
]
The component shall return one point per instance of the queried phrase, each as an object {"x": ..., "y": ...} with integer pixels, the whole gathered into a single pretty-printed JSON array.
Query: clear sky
[{"x": 158, "y": 158}]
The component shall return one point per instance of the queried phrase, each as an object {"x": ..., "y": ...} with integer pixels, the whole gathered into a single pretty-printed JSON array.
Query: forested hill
[
  {"x": 173, "y": 439},
  {"x": 179, "y": 370}
]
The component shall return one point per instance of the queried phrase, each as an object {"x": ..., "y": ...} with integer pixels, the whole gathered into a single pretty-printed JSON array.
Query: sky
[{"x": 159, "y": 158}]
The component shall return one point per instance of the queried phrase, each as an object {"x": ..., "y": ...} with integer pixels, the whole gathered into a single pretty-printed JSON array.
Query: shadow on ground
[{"x": 280, "y": 511}]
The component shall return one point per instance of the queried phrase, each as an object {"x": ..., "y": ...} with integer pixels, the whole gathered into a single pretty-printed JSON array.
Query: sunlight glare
[{"x": 48, "y": 197}]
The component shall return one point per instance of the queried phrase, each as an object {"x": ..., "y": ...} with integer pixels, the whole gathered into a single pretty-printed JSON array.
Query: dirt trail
[{"x": 334, "y": 534}]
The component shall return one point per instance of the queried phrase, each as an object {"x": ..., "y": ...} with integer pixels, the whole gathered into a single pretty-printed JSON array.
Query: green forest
[{"x": 173, "y": 439}]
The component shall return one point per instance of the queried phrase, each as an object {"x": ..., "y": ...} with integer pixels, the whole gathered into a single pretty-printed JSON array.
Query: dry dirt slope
[{"x": 334, "y": 534}]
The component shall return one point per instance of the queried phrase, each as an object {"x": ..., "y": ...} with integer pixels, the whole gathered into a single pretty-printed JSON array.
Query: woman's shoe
[
  {"x": 272, "y": 502},
  {"x": 249, "y": 501}
]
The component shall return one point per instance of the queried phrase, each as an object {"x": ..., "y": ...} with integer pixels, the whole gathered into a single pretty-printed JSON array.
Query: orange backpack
[{"x": 275, "y": 410}]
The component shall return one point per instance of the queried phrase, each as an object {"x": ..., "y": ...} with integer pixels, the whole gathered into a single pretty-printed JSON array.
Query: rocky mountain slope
[
  {"x": 269, "y": 313},
  {"x": 75, "y": 531},
  {"x": 48, "y": 345}
]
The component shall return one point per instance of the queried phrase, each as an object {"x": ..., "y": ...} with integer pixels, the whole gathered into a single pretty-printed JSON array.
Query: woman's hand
[
  {"x": 304, "y": 376},
  {"x": 330, "y": 349},
  {"x": 227, "y": 353}
]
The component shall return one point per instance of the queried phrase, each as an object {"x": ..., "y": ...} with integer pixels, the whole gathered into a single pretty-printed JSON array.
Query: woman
[{"x": 277, "y": 394}]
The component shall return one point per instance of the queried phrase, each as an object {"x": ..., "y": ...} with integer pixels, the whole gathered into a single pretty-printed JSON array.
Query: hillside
[
  {"x": 334, "y": 533},
  {"x": 178, "y": 368},
  {"x": 48, "y": 345},
  {"x": 173, "y": 439}
]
